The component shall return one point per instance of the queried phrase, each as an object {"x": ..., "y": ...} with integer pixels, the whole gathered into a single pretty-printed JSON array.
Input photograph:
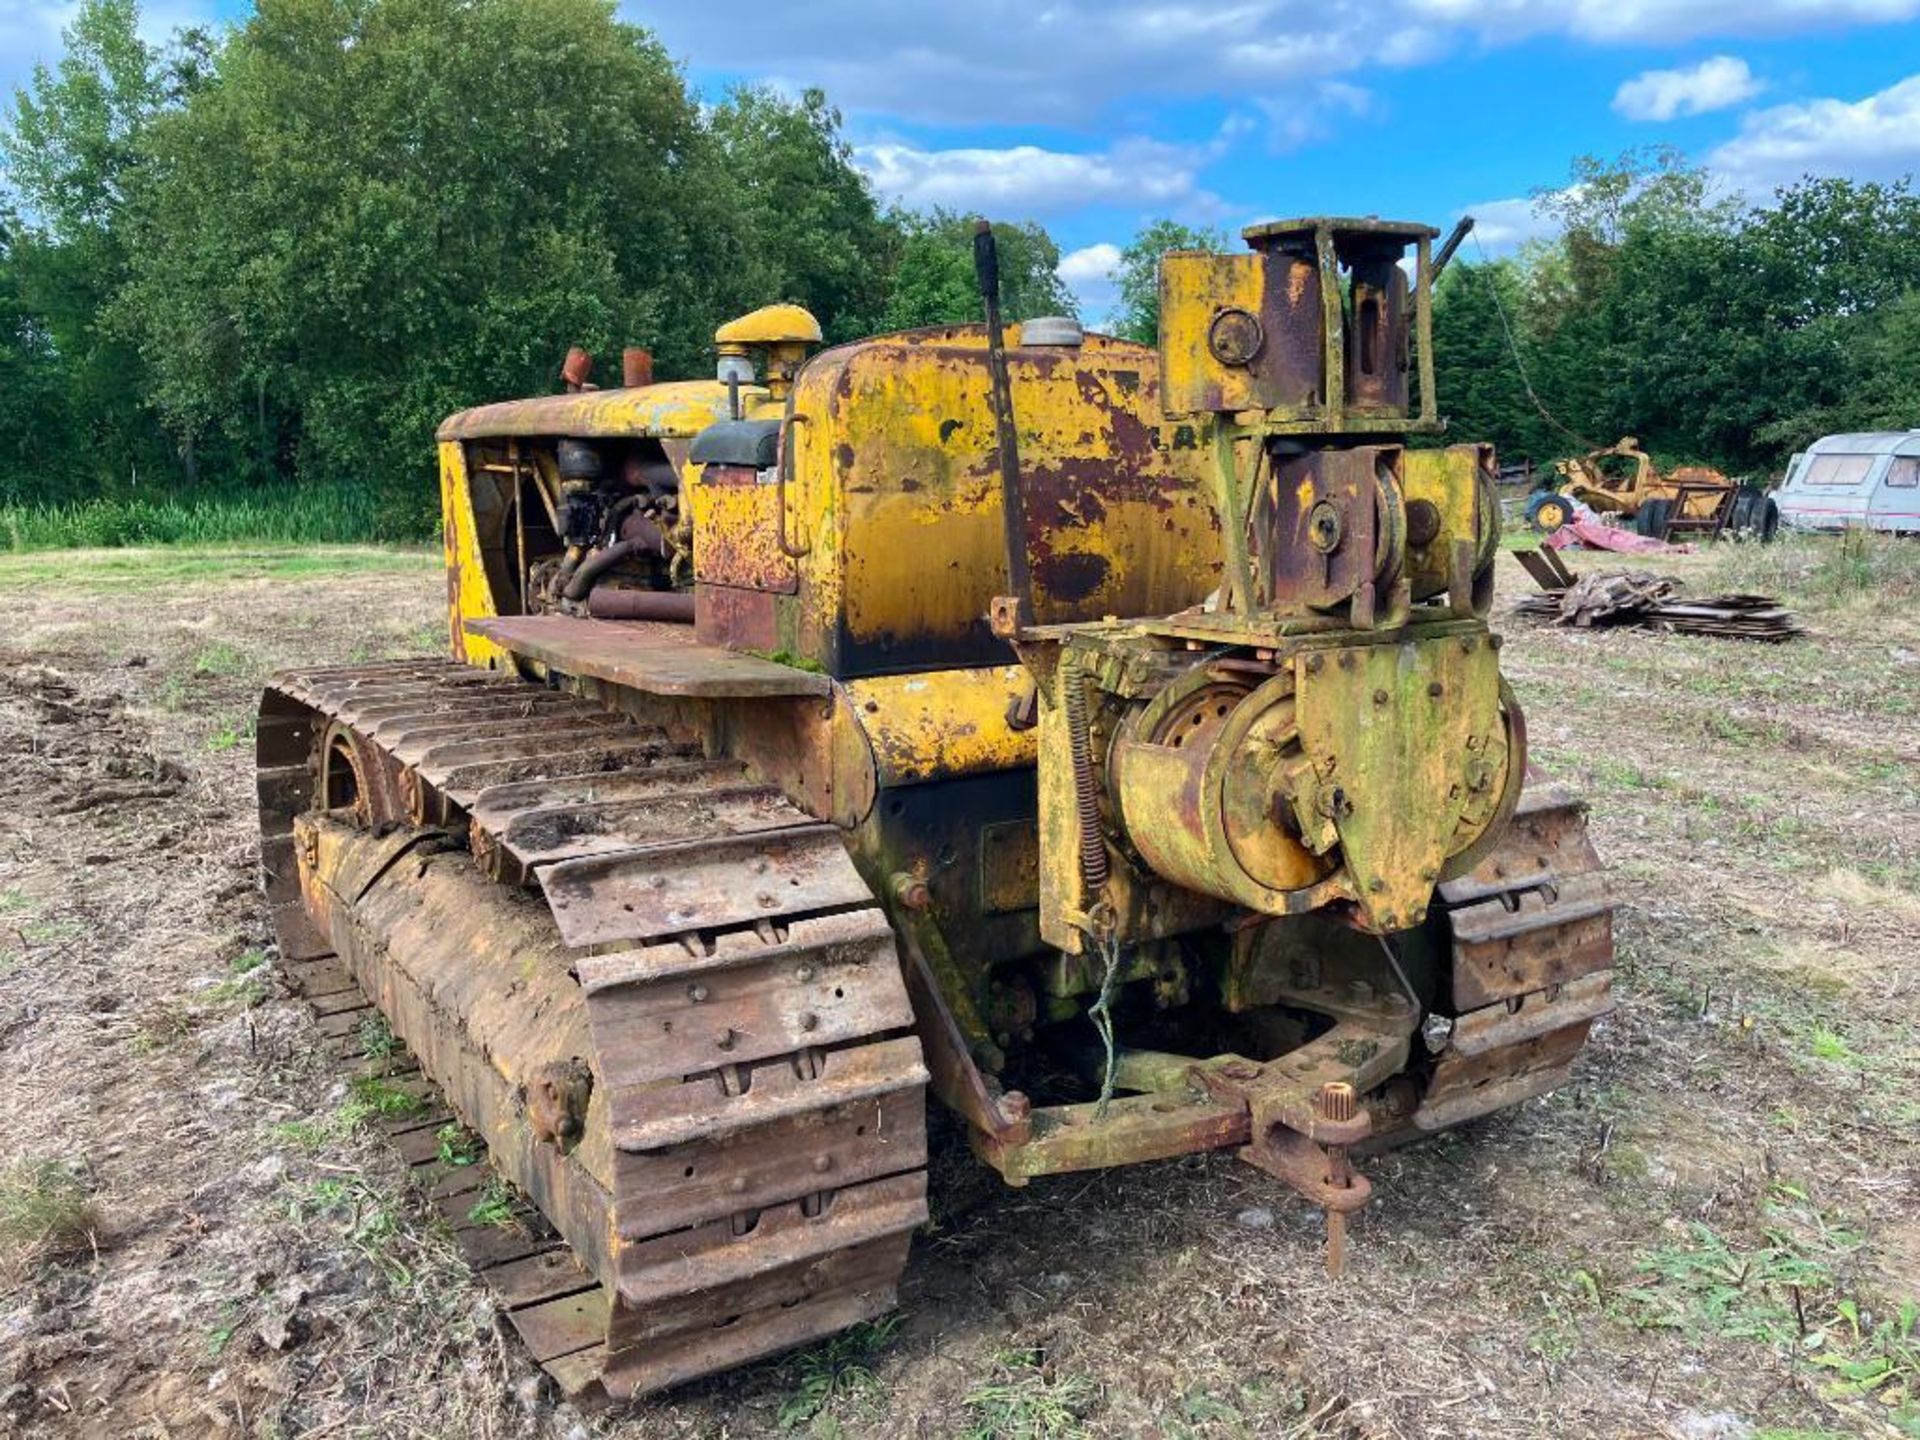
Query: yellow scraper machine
[{"x": 1109, "y": 742}]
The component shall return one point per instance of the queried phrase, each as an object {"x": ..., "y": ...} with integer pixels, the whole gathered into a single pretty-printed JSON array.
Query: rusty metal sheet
[
  {"x": 832, "y": 1146},
  {"x": 1135, "y": 1128},
  {"x": 736, "y": 1015},
  {"x": 1530, "y": 1016},
  {"x": 699, "y": 886},
  {"x": 1502, "y": 952},
  {"x": 751, "y": 1336},
  {"x": 714, "y": 1254},
  {"x": 495, "y": 807},
  {"x": 563, "y": 1325},
  {"x": 654, "y": 659},
  {"x": 656, "y": 1118},
  {"x": 444, "y": 742},
  {"x": 381, "y": 721},
  {"x": 552, "y": 833},
  {"x": 868, "y": 1267},
  {"x": 580, "y": 755},
  {"x": 545, "y": 1276}
]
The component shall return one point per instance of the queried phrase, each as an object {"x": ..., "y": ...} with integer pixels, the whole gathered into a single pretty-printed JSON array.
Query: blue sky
[{"x": 1096, "y": 117}]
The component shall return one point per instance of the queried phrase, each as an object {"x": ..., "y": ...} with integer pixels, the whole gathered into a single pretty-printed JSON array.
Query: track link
[
  {"x": 1532, "y": 958},
  {"x": 696, "y": 1056}
]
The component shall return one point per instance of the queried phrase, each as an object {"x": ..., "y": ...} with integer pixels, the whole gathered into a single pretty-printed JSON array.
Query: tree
[
  {"x": 814, "y": 234},
  {"x": 379, "y": 212},
  {"x": 72, "y": 146},
  {"x": 36, "y": 419},
  {"x": 1137, "y": 315},
  {"x": 934, "y": 283},
  {"x": 1480, "y": 348}
]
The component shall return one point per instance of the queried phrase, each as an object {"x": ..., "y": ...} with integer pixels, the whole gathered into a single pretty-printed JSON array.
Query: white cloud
[
  {"x": 1311, "y": 113},
  {"x": 1073, "y": 62},
  {"x": 1501, "y": 227},
  {"x": 1030, "y": 181},
  {"x": 1655, "y": 21},
  {"x": 1090, "y": 262},
  {"x": 1713, "y": 84},
  {"x": 1877, "y": 138},
  {"x": 1089, "y": 274}
]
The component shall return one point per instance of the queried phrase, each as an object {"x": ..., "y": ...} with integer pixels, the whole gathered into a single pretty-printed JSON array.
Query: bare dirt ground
[{"x": 1712, "y": 1233}]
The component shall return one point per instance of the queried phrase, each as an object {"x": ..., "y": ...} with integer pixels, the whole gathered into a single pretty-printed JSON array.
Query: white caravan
[{"x": 1847, "y": 481}]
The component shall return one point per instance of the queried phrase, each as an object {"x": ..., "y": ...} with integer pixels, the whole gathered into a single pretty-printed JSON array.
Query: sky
[{"x": 1096, "y": 116}]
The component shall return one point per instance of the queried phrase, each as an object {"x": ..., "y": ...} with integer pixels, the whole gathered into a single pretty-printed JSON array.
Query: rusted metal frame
[
  {"x": 783, "y": 473},
  {"x": 955, "y": 1076},
  {"x": 1235, "y": 508},
  {"x": 1333, "y": 311},
  {"x": 479, "y": 1093},
  {"x": 519, "y": 522},
  {"x": 1423, "y": 326},
  {"x": 1013, "y": 510}
]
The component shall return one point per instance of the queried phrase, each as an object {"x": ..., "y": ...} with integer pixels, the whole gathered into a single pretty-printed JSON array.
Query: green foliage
[
  {"x": 457, "y": 1145},
  {"x": 294, "y": 514},
  {"x": 371, "y": 1098},
  {"x": 840, "y": 1367},
  {"x": 1137, "y": 314},
  {"x": 248, "y": 275},
  {"x": 1718, "y": 336},
  {"x": 1028, "y": 1399},
  {"x": 73, "y": 148},
  {"x": 1788, "y": 1293},
  {"x": 806, "y": 225},
  {"x": 935, "y": 282},
  {"x": 495, "y": 1205},
  {"x": 45, "y": 1212}
]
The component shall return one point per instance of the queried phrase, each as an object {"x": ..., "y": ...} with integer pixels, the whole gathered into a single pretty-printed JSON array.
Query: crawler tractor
[{"x": 1107, "y": 743}]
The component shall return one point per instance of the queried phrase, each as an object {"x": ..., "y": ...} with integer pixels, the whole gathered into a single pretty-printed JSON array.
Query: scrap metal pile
[{"x": 1638, "y": 597}]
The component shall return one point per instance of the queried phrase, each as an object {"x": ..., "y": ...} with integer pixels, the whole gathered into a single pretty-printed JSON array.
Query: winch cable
[{"x": 1513, "y": 350}]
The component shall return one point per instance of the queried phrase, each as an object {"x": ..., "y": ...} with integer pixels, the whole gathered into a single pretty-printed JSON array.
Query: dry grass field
[{"x": 1714, "y": 1233}]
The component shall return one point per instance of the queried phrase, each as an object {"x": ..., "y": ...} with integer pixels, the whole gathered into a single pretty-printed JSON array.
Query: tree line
[{"x": 1717, "y": 331}]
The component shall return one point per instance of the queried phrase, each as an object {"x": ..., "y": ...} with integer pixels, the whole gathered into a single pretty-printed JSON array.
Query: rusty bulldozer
[{"x": 1111, "y": 743}]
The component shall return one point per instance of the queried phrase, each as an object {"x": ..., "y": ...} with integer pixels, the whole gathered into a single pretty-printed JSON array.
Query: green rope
[{"x": 1101, "y": 1013}]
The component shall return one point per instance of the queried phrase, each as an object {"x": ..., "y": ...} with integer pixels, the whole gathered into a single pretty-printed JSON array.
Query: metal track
[
  {"x": 697, "y": 1057},
  {"x": 1532, "y": 950}
]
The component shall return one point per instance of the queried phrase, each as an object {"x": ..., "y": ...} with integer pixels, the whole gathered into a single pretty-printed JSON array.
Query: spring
[{"x": 1086, "y": 791}]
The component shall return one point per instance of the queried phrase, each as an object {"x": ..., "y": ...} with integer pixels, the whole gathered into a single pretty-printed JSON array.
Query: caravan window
[
  {"x": 1842, "y": 469},
  {"x": 1904, "y": 473}
]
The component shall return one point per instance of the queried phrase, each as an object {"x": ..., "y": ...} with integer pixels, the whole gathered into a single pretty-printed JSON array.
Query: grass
[
  {"x": 241, "y": 986},
  {"x": 839, "y": 1368},
  {"x": 46, "y": 1213},
  {"x": 1819, "y": 572},
  {"x": 1789, "y": 1292},
  {"x": 289, "y": 514},
  {"x": 457, "y": 1145},
  {"x": 1029, "y": 1400},
  {"x": 165, "y": 568},
  {"x": 495, "y": 1205},
  {"x": 371, "y": 1098},
  {"x": 373, "y": 1223}
]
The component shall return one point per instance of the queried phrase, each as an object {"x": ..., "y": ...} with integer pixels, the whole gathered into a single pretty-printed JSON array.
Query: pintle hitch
[{"x": 1305, "y": 1116}]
